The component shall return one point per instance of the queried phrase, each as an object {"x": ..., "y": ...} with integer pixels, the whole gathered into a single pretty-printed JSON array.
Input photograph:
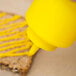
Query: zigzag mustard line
[
  {"x": 11, "y": 29},
  {"x": 11, "y": 19},
  {"x": 16, "y": 54},
  {"x": 7, "y": 33},
  {"x": 5, "y": 21},
  {"x": 12, "y": 32},
  {"x": 12, "y": 43},
  {"x": 19, "y": 49},
  {"x": 10, "y": 38},
  {"x": 13, "y": 24},
  {"x": 11, "y": 46}
]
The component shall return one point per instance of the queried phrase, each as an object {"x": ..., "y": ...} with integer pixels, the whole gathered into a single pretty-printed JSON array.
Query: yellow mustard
[{"x": 25, "y": 43}]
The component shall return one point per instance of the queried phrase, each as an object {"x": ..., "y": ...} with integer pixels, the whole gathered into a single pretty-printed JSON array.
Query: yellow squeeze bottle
[{"x": 52, "y": 23}]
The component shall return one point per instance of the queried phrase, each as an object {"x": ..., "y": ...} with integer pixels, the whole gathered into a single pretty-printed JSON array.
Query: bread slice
[{"x": 17, "y": 64}]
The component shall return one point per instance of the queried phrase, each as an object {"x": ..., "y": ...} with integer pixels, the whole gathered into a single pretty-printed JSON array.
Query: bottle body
[{"x": 52, "y": 22}]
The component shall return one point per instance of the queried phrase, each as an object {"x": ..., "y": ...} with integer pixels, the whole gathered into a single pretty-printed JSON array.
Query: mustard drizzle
[
  {"x": 7, "y": 43},
  {"x": 16, "y": 47}
]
